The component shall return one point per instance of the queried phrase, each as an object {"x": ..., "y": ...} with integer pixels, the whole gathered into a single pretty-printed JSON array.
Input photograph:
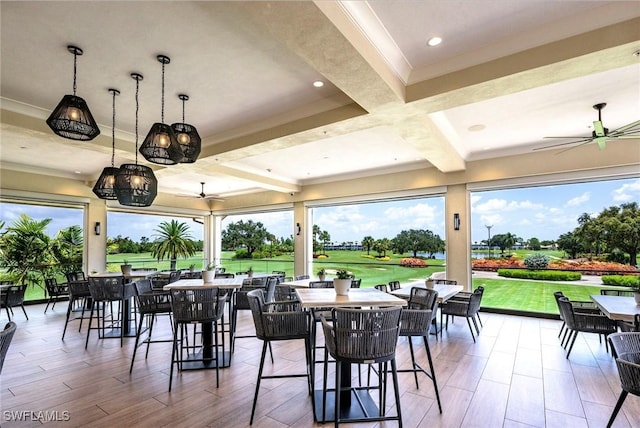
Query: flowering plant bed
[
  {"x": 585, "y": 267},
  {"x": 413, "y": 263}
]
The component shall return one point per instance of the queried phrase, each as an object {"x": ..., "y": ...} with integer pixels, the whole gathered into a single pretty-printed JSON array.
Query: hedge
[
  {"x": 542, "y": 275},
  {"x": 621, "y": 280}
]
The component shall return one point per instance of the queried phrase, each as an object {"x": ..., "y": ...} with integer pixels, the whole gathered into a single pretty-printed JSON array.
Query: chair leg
[
  {"x": 153, "y": 318},
  {"x": 86, "y": 343},
  {"x": 433, "y": 372},
  {"x": 623, "y": 396},
  {"x": 479, "y": 320},
  {"x": 8, "y": 314},
  {"x": 255, "y": 396},
  {"x": 24, "y": 311},
  {"x": 135, "y": 347},
  {"x": 471, "y": 330},
  {"x": 561, "y": 329},
  {"x": 573, "y": 340},
  {"x": 47, "y": 307},
  {"x": 324, "y": 384},
  {"x": 215, "y": 350},
  {"x": 413, "y": 361},
  {"x": 69, "y": 309},
  {"x": 174, "y": 352},
  {"x": 476, "y": 325},
  {"x": 336, "y": 403},
  {"x": 394, "y": 373}
]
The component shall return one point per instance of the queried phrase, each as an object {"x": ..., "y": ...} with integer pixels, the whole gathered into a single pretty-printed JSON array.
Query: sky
[{"x": 543, "y": 212}]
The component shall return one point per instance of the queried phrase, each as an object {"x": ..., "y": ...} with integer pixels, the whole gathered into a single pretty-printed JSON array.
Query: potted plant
[
  {"x": 209, "y": 273},
  {"x": 250, "y": 272},
  {"x": 342, "y": 282},
  {"x": 192, "y": 267},
  {"x": 321, "y": 274},
  {"x": 125, "y": 267}
]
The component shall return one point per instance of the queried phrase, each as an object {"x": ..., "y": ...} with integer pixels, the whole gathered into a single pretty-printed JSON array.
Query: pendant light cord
[
  {"x": 113, "y": 131},
  {"x": 162, "y": 112},
  {"x": 75, "y": 56},
  {"x": 137, "y": 106},
  {"x": 183, "y": 101}
]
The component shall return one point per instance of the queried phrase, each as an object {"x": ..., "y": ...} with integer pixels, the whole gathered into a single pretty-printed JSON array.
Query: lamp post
[{"x": 489, "y": 226}]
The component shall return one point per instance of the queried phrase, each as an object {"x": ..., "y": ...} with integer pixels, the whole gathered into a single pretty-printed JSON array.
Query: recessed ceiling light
[
  {"x": 78, "y": 172},
  {"x": 318, "y": 83},
  {"x": 434, "y": 41},
  {"x": 476, "y": 128}
]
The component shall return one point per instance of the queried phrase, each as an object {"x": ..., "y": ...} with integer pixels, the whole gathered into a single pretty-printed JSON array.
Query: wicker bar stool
[
  {"x": 626, "y": 347},
  {"x": 363, "y": 336},
  {"x": 55, "y": 291},
  {"x": 417, "y": 321},
  {"x": 151, "y": 303},
  {"x": 78, "y": 294},
  {"x": 275, "y": 321},
  {"x": 104, "y": 292},
  {"x": 6, "y": 336},
  {"x": 202, "y": 306}
]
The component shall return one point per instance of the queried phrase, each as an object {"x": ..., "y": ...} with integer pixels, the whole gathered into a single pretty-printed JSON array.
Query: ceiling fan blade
[
  {"x": 630, "y": 128},
  {"x": 601, "y": 141},
  {"x": 573, "y": 147},
  {"x": 574, "y": 137},
  {"x": 598, "y": 129},
  {"x": 582, "y": 141}
]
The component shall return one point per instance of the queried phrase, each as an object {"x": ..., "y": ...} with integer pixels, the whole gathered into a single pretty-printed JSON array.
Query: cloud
[
  {"x": 489, "y": 220},
  {"x": 627, "y": 192},
  {"x": 578, "y": 200},
  {"x": 498, "y": 205}
]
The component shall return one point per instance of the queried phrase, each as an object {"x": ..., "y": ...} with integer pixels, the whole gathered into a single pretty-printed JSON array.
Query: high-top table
[
  {"x": 350, "y": 404},
  {"x": 129, "y": 329},
  {"x": 619, "y": 308},
  {"x": 445, "y": 291},
  {"x": 302, "y": 283},
  {"x": 230, "y": 284}
]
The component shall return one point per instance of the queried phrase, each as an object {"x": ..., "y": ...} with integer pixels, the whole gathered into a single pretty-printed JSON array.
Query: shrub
[
  {"x": 411, "y": 262},
  {"x": 536, "y": 261},
  {"x": 241, "y": 253},
  {"x": 541, "y": 275},
  {"x": 622, "y": 280}
]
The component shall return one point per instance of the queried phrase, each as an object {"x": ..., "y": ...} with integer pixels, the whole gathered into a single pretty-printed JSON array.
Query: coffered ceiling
[{"x": 506, "y": 75}]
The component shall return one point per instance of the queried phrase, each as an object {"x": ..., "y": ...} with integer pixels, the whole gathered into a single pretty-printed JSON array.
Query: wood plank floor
[{"x": 516, "y": 375}]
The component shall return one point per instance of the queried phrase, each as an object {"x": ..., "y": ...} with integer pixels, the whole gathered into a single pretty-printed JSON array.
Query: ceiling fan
[
  {"x": 203, "y": 195},
  {"x": 600, "y": 134}
]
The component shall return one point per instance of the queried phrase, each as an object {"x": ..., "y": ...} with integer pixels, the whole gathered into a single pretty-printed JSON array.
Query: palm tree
[
  {"x": 367, "y": 242},
  {"x": 173, "y": 240},
  {"x": 25, "y": 249},
  {"x": 67, "y": 248}
]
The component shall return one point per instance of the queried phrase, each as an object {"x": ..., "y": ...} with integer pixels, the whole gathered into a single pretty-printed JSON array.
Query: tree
[
  {"x": 417, "y": 240},
  {"x": 173, "y": 240},
  {"x": 250, "y": 235},
  {"x": 534, "y": 244},
  {"x": 620, "y": 228},
  {"x": 571, "y": 244},
  {"x": 325, "y": 238},
  {"x": 367, "y": 242},
  {"x": 67, "y": 249},
  {"x": 381, "y": 246},
  {"x": 25, "y": 249},
  {"x": 503, "y": 241},
  {"x": 316, "y": 233},
  {"x": 591, "y": 233}
]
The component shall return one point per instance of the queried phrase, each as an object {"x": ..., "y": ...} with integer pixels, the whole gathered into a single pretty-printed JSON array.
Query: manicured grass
[{"x": 530, "y": 296}]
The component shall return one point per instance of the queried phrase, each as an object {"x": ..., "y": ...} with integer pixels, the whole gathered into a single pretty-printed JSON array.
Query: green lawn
[{"x": 531, "y": 296}]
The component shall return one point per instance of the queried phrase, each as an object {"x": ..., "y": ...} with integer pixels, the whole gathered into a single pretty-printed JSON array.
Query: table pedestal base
[
  {"x": 360, "y": 406},
  {"x": 198, "y": 362}
]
